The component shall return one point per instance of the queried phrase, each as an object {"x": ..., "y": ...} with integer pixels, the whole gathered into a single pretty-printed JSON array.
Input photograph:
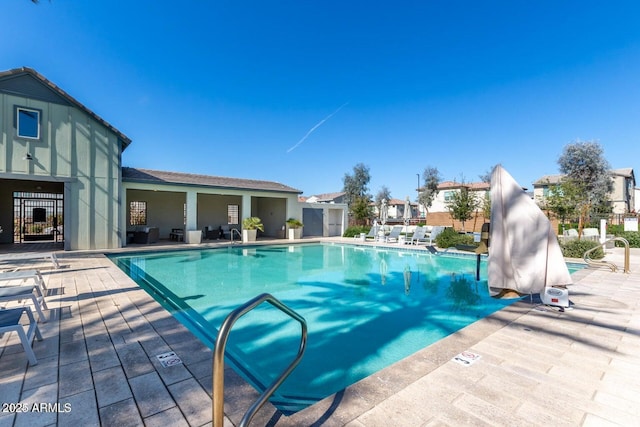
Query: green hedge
[
  {"x": 356, "y": 230},
  {"x": 450, "y": 238},
  {"x": 577, "y": 248},
  {"x": 633, "y": 237}
]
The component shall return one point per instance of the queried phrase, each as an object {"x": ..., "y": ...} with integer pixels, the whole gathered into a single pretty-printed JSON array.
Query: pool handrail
[
  {"x": 218, "y": 358},
  {"x": 237, "y": 232},
  {"x": 601, "y": 263}
]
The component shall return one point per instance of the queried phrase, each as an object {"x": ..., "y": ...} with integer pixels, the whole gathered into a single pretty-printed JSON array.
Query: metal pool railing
[
  {"x": 612, "y": 266},
  {"x": 218, "y": 358}
]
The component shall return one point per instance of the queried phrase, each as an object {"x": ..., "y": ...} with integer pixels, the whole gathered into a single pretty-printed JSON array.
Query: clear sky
[{"x": 301, "y": 91}]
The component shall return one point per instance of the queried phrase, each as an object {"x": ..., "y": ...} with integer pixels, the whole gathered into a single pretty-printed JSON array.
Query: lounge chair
[
  {"x": 568, "y": 235},
  {"x": 373, "y": 234},
  {"x": 24, "y": 275},
  {"x": 394, "y": 234},
  {"x": 419, "y": 235},
  {"x": 21, "y": 293},
  {"x": 591, "y": 234},
  {"x": 29, "y": 256},
  {"x": 435, "y": 231},
  {"x": 10, "y": 321}
]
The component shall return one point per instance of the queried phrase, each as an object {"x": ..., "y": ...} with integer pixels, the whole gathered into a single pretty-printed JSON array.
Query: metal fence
[{"x": 38, "y": 217}]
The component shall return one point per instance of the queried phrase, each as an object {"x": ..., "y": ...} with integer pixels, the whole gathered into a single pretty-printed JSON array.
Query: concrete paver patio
[{"x": 538, "y": 366}]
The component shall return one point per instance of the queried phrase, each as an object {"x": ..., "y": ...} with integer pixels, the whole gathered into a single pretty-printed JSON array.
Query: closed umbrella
[
  {"x": 407, "y": 211},
  {"x": 524, "y": 254},
  {"x": 383, "y": 211}
]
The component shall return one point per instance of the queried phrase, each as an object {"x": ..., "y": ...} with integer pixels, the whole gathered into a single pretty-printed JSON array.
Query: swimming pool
[{"x": 366, "y": 307}]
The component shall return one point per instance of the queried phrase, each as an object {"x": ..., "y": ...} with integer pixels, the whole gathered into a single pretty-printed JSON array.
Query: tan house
[
  {"x": 62, "y": 180},
  {"x": 622, "y": 197},
  {"x": 447, "y": 189}
]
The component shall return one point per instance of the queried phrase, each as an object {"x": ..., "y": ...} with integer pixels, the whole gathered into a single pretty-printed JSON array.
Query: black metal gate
[{"x": 37, "y": 217}]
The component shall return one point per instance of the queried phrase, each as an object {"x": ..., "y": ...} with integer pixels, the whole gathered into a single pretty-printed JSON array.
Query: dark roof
[
  {"x": 162, "y": 177},
  {"x": 17, "y": 72}
]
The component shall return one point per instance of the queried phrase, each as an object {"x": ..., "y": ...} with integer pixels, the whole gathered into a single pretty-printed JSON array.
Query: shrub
[
  {"x": 355, "y": 230},
  {"x": 252, "y": 223},
  {"x": 616, "y": 230},
  {"x": 577, "y": 248},
  {"x": 633, "y": 237},
  {"x": 294, "y": 223},
  {"x": 450, "y": 237}
]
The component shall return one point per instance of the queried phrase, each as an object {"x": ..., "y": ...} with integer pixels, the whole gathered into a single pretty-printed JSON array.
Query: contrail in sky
[{"x": 315, "y": 127}]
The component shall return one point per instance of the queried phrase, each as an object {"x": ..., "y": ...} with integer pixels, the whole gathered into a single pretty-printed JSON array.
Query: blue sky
[{"x": 301, "y": 91}]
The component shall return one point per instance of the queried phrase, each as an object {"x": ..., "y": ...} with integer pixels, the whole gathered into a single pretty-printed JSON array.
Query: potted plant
[
  {"x": 295, "y": 228},
  {"x": 250, "y": 227}
]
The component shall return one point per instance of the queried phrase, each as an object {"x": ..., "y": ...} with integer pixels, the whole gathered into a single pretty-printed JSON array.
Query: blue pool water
[{"x": 365, "y": 307}]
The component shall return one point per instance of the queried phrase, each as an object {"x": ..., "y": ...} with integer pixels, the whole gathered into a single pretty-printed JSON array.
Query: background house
[
  {"x": 446, "y": 190},
  {"x": 622, "y": 197},
  {"x": 439, "y": 213},
  {"x": 337, "y": 197}
]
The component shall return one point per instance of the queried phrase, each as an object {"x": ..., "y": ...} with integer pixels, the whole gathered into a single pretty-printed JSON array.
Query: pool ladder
[
  {"x": 237, "y": 232},
  {"x": 218, "y": 358},
  {"x": 612, "y": 266}
]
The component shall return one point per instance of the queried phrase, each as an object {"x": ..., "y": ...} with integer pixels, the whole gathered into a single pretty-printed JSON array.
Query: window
[
  {"x": 448, "y": 196},
  {"x": 137, "y": 213},
  {"x": 232, "y": 214},
  {"x": 28, "y": 123}
]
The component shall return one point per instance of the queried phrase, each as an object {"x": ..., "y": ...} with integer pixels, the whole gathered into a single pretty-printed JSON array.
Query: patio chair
[
  {"x": 10, "y": 321},
  {"x": 12, "y": 258},
  {"x": 24, "y": 275},
  {"x": 146, "y": 235},
  {"x": 177, "y": 234},
  {"x": 591, "y": 234},
  {"x": 20, "y": 293},
  {"x": 373, "y": 233},
  {"x": 435, "y": 231},
  {"x": 394, "y": 234},
  {"x": 418, "y": 236}
]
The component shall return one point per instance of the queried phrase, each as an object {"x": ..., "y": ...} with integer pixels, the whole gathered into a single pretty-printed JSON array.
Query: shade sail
[{"x": 524, "y": 253}]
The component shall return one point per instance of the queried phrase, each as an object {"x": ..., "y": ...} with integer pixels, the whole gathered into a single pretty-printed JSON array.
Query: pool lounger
[
  {"x": 10, "y": 321},
  {"x": 29, "y": 256},
  {"x": 19, "y": 293},
  {"x": 24, "y": 275}
]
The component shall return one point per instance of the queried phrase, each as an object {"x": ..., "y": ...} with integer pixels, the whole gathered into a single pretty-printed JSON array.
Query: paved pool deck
[{"x": 538, "y": 365}]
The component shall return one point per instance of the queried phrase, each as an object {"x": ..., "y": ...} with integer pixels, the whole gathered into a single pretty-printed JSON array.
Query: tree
[
  {"x": 561, "y": 200},
  {"x": 357, "y": 193},
  {"x": 383, "y": 194},
  {"x": 431, "y": 177},
  {"x": 486, "y": 177},
  {"x": 462, "y": 205},
  {"x": 485, "y": 204},
  {"x": 586, "y": 169}
]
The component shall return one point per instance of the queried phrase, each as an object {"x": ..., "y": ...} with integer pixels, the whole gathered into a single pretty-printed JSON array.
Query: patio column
[
  {"x": 192, "y": 210},
  {"x": 246, "y": 207}
]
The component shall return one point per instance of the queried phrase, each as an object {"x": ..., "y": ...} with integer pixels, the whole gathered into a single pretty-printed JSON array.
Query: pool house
[{"x": 62, "y": 180}]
